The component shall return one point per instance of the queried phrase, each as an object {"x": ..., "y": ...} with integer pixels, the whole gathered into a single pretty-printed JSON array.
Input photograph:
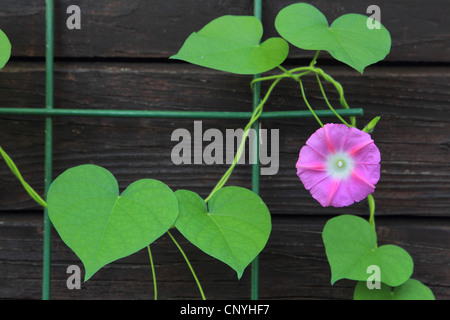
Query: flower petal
[
  {"x": 309, "y": 157},
  {"x": 371, "y": 172},
  {"x": 332, "y": 192},
  {"x": 310, "y": 167},
  {"x": 360, "y": 185},
  {"x": 337, "y": 135},
  {"x": 310, "y": 177},
  {"x": 321, "y": 191},
  {"x": 356, "y": 139},
  {"x": 366, "y": 154},
  {"x": 318, "y": 142},
  {"x": 342, "y": 197}
]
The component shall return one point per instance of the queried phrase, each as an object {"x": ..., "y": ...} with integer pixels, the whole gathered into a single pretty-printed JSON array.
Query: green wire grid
[{"x": 49, "y": 112}]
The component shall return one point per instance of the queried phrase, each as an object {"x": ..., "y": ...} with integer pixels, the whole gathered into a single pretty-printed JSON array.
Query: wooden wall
[{"x": 119, "y": 60}]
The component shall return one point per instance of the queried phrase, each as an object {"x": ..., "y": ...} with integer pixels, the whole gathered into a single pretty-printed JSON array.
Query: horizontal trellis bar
[{"x": 174, "y": 114}]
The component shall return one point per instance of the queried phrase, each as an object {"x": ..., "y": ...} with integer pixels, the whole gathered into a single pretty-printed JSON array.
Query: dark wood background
[{"x": 119, "y": 60}]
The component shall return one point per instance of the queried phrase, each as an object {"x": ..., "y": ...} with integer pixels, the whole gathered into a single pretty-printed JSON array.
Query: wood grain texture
[
  {"x": 413, "y": 135},
  {"x": 118, "y": 60},
  {"x": 292, "y": 266},
  {"x": 157, "y": 29}
]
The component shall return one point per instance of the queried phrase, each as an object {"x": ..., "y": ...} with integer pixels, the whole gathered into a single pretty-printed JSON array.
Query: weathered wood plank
[
  {"x": 292, "y": 266},
  {"x": 413, "y": 135},
  {"x": 157, "y": 29}
]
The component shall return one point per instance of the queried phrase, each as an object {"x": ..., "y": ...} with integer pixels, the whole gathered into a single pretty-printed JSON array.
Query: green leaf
[
  {"x": 351, "y": 247},
  {"x": 234, "y": 230},
  {"x": 99, "y": 225},
  {"x": 5, "y": 49},
  {"x": 410, "y": 290},
  {"x": 348, "y": 39},
  {"x": 232, "y": 44}
]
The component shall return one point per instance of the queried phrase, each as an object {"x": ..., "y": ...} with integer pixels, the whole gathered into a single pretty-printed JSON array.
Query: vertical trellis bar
[
  {"x": 255, "y": 165},
  {"x": 48, "y": 145}
]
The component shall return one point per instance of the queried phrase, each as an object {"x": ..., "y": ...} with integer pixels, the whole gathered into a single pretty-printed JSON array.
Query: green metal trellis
[{"x": 49, "y": 112}]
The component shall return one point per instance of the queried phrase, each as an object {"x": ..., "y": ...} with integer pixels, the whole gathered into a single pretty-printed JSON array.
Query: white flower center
[{"x": 340, "y": 165}]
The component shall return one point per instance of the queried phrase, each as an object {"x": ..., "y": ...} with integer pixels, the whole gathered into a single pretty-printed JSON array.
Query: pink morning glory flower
[{"x": 339, "y": 165}]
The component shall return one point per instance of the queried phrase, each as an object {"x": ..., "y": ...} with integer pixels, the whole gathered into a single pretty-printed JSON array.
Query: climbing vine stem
[
  {"x": 189, "y": 265},
  {"x": 155, "y": 289},
  {"x": 307, "y": 103},
  {"x": 328, "y": 102},
  {"x": 12, "y": 166},
  {"x": 255, "y": 116}
]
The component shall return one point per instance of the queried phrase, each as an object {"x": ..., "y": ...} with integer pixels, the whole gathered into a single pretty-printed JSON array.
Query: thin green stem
[
  {"x": 304, "y": 71},
  {"x": 309, "y": 69},
  {"x": 298, "y": 75},
  {"x": 295, "y": 76},
  {"x": 328, "y": 102},
  {"x": 307, "y": 103},
  {"x": 155, "y": 289},
  {"x": 189, "y": 264},
  {"x": 12, "y": 166},
  {"x": 371, "y": 202},
  {"x": 256, "y": 114},
  {"x": 339, "y": 89},
  {"x": 314, "y": 60},
  {"x": 287, "y": 72},
  {"x": 274, "y": 77}
]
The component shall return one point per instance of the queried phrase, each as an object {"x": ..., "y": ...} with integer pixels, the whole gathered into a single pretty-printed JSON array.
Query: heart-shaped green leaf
[
  {"x": 232, "y": 44},
  {"x": 100, "y": 225},
  {"x": 5, "y": 49},
  {"x": 234, "y": 230},
  {"x": 410, "y": 290},
  {"x": 348, "y": 39},
  {"x": 351, "y": 247}
]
